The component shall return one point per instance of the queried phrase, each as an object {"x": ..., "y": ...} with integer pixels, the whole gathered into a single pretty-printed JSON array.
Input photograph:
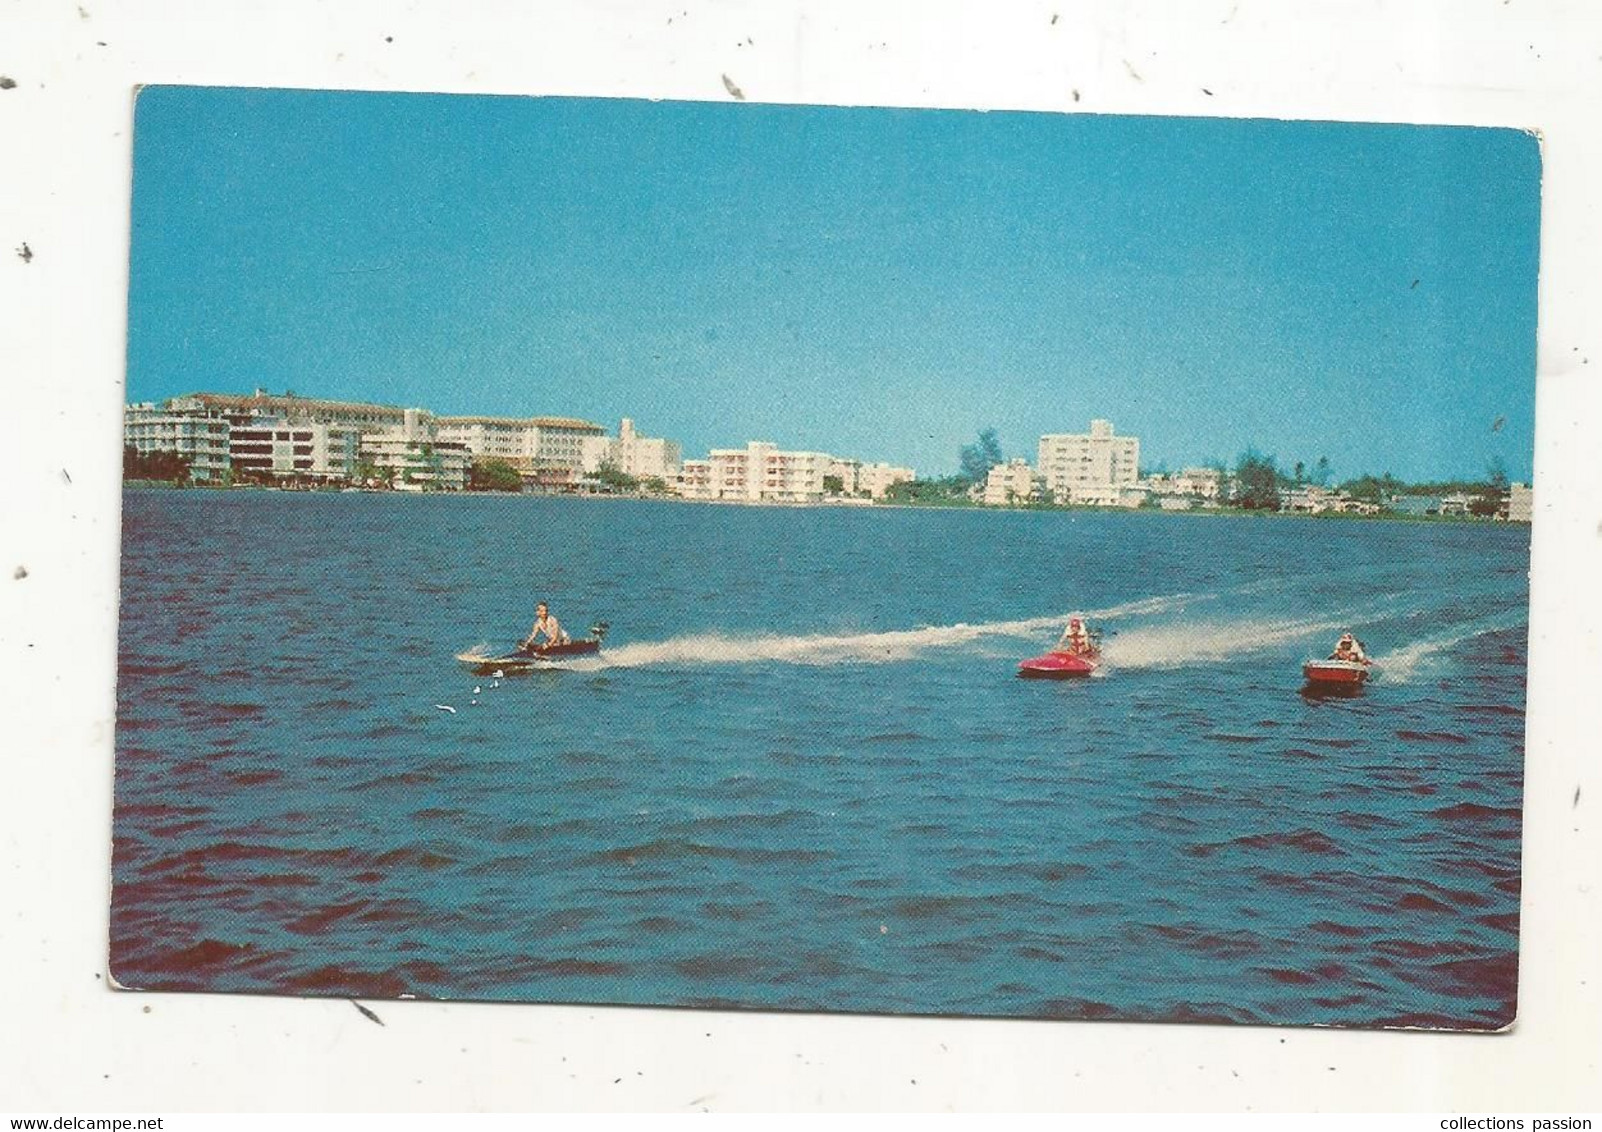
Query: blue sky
[{"x": 869, "y": 282}]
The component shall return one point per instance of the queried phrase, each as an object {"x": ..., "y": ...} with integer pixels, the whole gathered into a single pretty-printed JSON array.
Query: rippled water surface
[{"x": 803, "y": 774}]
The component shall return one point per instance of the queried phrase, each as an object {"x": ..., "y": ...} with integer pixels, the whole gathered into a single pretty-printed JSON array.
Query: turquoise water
[{"x": 803, "y": 775}]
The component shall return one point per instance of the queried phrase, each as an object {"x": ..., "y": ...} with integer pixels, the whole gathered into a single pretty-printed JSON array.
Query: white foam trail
[
  {"x": 1400, "y": 665},
  {"x": 859, "y": 648},
  {"x": 1176, "y": 646}
]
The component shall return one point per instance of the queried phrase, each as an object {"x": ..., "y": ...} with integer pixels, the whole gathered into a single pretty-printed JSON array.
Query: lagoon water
[{"x": 803, "y": 774}]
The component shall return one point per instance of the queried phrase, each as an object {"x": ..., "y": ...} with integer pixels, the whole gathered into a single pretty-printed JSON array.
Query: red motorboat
[
  {"x": 1076, "y": 654},
  {"x": 1348, "y": 666},
  {"x": 1346, "y": 672}
]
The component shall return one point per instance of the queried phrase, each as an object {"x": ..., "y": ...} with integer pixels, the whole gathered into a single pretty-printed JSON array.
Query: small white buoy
[
  {"x": 475, "y": 703},
  {"x": 495, "y": 683},
  {"x": 475, "y": 689},
  {"x": 446, "y": 707},
  {"x": 499, "y": 674}
]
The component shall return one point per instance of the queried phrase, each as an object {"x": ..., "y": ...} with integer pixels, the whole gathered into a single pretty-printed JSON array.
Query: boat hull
[
  {"x": 1059, "y": 666},
  {"x": 1348, "y": 673},
  {"x": 527, "y": 660}
]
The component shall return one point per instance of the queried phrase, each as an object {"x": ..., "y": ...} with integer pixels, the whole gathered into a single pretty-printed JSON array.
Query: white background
[{"x": 68, "y": 1043}]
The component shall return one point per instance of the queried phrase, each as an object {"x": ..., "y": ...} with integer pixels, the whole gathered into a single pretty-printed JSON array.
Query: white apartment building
[
  {"x": 643, "y": 457},
  {"x": 1520, "y": 503},
  {"x": 357, "y": 414},
  {"x": 848, "y": 472},
  {"x": 1089, "y": 468},
  {"x": 512, "y": 441},
  {"x": 872, "y": 480},
  {"x": 1205, "y": 483},
  {"x": 876, "y": 479},
  {"x": 1009, "y": 484},
  {"x": 415, "y": 463},
  {"x": 532, "y": 445},
  {"x": 695, "y": 479},
  {"x": 308, "y": 449},
  {"x": 186, "y": 430},
  {"x": 758, "y": 473}
]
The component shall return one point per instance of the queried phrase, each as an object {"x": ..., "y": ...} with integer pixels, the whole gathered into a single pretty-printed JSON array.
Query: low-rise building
[
  {"x": 415, "y": 463},
  {"x": 1009, "y": 484},
  {"x": 761, "y": 472},
  {"x": 870, "y": 480},
  {"x": 1203, "y": 483},
  {"x": 875, "y": 480},
  {"x": 1520, "y": 503}
]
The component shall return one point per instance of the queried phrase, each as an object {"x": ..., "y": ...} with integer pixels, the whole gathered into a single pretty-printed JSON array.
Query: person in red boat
[
  {"x": 1349, "y": 648},
  {"x": 1076, "y": 639}
]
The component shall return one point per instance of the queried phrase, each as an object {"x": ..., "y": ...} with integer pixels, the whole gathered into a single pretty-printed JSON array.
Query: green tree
[
  {"x": 978, "y": 458},
  {"x": 948, "y": 491},
  {"x": 1373, "y": 489},
  {"x": 493, "y": 475},
  {"x": 615, "y": 477},
  {"x": 159, "y": 466},
  {"x": 834, "y": 485},
  {"x": 1321, "y": 472},
  {"x": 1491, "y": 499},
  {"x": 1256, "y": 482}
]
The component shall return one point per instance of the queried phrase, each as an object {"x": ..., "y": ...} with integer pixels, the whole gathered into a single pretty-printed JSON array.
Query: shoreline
[{"x": 1195, "y": 512}]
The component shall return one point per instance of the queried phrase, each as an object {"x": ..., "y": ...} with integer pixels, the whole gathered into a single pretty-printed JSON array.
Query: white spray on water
[{"x": 861, "y": 648}]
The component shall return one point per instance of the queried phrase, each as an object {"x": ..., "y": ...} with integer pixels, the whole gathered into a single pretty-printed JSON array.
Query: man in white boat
[
  {"x": 546, "y": 624},
  {"x": 1349, "y": 648}
]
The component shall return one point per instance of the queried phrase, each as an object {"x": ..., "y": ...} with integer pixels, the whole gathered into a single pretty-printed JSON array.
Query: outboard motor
[{"x": 598, "y": 630}]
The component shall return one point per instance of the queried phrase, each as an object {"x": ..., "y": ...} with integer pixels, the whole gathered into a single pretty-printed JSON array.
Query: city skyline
[{"x": 879, "y": 282}]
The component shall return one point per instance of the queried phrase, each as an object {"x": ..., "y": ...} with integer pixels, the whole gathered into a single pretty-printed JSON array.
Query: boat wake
[
  {"x": 1183, "y": 645},
  {"x": 857, "y": 648},
  {"x": 1401, "y": 664}
]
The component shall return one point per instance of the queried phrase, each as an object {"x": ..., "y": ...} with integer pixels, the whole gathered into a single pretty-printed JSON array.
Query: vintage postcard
[{"x": 828, "y": 559}]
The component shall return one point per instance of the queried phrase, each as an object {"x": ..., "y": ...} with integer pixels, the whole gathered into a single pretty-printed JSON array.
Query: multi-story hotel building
[
  {"x": 1089, "y": 468},
  {"x": 238, "y": 408},
  {"x": 147, "y": 427},
  {"x": 308, "y": 449},
  {"x": 532, "y": 445}
]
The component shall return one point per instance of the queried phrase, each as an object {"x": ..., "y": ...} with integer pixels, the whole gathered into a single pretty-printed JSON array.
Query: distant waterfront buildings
[
  {"x": 302, "y": 438},
  {"x": 261, "y": 436},
  {"x": 1089, "y": 468}
]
